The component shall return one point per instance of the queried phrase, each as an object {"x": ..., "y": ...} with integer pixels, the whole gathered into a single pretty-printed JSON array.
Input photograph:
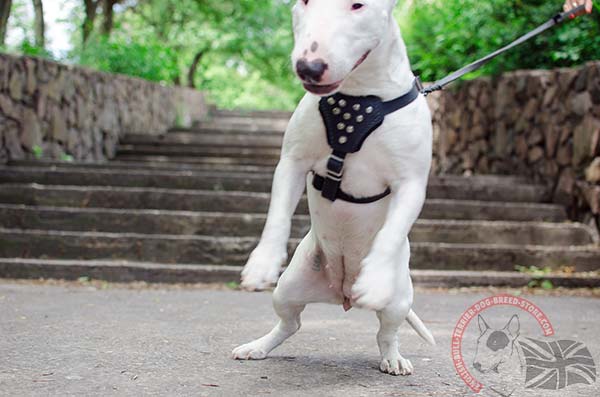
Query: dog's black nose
[{"x": 312, "y": 71}]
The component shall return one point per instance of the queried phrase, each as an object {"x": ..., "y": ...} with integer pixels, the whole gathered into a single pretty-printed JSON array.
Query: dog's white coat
[{"x": 354, "y": 254}]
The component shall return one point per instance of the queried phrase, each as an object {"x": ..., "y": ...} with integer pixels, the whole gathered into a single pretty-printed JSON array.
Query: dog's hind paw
[
  {"x": 396, "y": 366},
  {"x": 249, "y": 351}
]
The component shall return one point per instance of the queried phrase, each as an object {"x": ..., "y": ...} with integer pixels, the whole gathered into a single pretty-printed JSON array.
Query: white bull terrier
[{"x": 357, "y": 251}]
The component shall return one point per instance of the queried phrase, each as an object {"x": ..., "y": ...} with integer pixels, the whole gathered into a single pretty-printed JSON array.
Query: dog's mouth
[
  {"x": 326, "y": 89},
  {"x": 322, "y": 89}
]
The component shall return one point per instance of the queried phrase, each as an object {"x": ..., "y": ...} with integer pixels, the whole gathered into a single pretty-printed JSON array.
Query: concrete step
[
  {"x": 16, "y": 243},
  {"x": 251, "y": 182},
  {"x": 201, "y": 151},
  {"x": 116, "y": 165},
  {"x": 248, "y": 202},
  {"x": 128, "y": 271},
  {"x": 250, "y": 225},
  {"x": 265, "y": 114},
  {"x": 209, "y": 138},
  {"x": 215, "y": 162},
  {"x": 150, "y": 166},
  {"x": 245, "y": 124}
]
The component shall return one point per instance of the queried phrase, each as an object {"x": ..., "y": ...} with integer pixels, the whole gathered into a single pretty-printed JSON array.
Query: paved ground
[{"x": 71, "y": 339}]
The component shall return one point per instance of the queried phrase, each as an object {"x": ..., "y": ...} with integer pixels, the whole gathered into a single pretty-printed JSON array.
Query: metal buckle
[{"x": 419, "y": 84}]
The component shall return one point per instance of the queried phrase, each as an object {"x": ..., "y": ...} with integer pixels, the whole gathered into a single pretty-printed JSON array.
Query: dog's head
[
  {"x": 495, "y": 346},
  {"x": 334, "y": 37}
]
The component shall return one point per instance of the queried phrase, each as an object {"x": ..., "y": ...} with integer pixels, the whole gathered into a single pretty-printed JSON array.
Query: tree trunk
[
  {"x": 40, "y": 37},
  {"x": 193, "y": 68},
  {"x": 107, "y": 11},
  {"x": 91, "y": 6},
  {"x": 5, "y": 6}
]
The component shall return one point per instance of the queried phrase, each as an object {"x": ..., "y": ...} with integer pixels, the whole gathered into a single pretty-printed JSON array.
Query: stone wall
[
  {"x": 541, "y": 124},
  {"x": 50, "y": 110}
]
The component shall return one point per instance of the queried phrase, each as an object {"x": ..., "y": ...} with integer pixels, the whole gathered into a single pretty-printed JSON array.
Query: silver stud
[
  {"x": 369, "y": 110},
  {"x": 343, "y": 140},
  {"x": 342, "y": 103},
  {"x": 356, "y": 107},
  {"x": 347, "y": 116},
  {"x": 331, "y": 101},
  {"x": 336, "y": 111},
  {"x": 350, "y": 129},
  {"x": 360, "y": 118},
  {"x": 341, "y": 126}
]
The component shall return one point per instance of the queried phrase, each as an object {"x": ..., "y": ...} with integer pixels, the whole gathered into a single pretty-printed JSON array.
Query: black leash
[{"x": 556, "y": 20}]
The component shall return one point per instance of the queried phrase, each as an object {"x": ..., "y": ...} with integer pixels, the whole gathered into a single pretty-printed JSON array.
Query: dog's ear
[
  {"x": 513, "y": 326},
  {"x": 483, "y": 326}
]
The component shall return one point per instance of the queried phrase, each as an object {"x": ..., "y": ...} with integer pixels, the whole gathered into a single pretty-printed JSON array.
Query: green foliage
[
  {"x": 38, "y": 152},
  {"x": 245, "y": 47},
  {"x": 30, "y": 49},
  {"x": 538, "y": 276},
  {"x": 150, "y": 60},
  {"x": 444, "y": 35}
]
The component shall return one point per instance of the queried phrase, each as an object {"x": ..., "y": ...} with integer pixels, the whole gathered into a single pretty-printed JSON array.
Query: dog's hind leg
[
  {"x": 390, "y": 319},
  {"x": 303, "y": 282}
]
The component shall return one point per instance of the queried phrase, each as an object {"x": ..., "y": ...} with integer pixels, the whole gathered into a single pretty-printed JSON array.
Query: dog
[
  {"x": 498, "y": 356},
  {"x": 355, "y": 254}
]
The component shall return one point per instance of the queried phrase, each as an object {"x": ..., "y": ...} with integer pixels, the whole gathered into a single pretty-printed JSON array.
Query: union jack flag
[{"x": 557, "y": 364}]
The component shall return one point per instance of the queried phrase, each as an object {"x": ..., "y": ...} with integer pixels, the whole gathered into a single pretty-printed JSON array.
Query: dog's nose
[{"x": 311, "y": 71}]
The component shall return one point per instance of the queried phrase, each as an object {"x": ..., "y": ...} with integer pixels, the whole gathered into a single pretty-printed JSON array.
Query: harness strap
[
  {"x": 403, "y": 101},
  {"x": 319, "y": 184}
]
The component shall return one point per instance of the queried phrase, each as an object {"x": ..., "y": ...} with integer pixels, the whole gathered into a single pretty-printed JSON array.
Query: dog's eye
[
  {"x": 357, "y": 6},
  {"x": 305, "y": 2}
]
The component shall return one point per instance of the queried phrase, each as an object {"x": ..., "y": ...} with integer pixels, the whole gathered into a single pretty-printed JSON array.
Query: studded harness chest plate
[{"x": 349, "y": 121}]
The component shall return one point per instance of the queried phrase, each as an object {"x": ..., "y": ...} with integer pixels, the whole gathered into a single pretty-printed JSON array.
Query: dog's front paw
[
  {"x": 396, "y": 366},
  {"x": 249, "y": 351},
  {"x": 262, "y": 269},
  {"x": 374, "y": 287}
]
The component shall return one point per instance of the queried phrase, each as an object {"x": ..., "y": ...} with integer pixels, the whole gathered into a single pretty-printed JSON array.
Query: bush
[{"x": 444, "y": 35}]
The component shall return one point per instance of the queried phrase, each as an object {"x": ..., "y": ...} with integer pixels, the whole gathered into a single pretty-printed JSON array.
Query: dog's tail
[{"x": 419, "y": 327}]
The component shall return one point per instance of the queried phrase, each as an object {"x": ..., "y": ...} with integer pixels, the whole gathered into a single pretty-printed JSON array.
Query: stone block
[
  {"x": 535, "y": 154},
  {"x": 564, "y": 155},
  {"x": 58, "y": 125},
  {"x": 582, "y": 139},
  {"x": 16, "y": 83},
  {"x": 551, "y": 136},
  {"x": 592, "y": 172},
  {"x": 591, "y": 195},
  {"x": 31, "y": 134},
  {"x": 521, "y": 147},
  {"x": 565, "y": 187},
  {"x": 581, "y": 103},
  {"x": 12, "y": 141}
]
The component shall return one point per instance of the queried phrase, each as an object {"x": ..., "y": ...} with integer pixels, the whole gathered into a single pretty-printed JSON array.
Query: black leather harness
[{"x": 349, "y": 120}]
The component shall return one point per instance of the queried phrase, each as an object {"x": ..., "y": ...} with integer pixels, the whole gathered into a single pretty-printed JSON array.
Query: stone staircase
[{"x": 188, "y": 206}]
